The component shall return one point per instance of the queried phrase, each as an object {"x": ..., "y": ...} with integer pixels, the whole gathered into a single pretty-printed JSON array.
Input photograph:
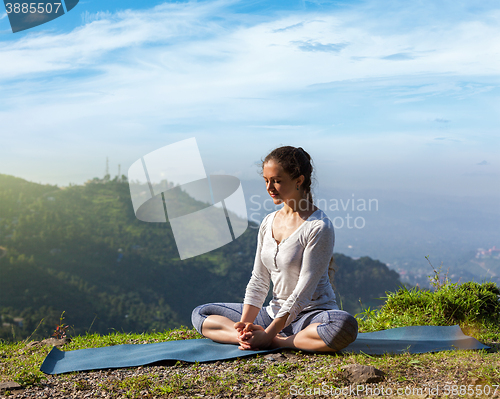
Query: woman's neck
[{"x": 301, "y": 205}]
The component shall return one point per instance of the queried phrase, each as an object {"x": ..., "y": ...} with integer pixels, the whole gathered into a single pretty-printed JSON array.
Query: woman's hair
[{"x": 295, "y": 162}]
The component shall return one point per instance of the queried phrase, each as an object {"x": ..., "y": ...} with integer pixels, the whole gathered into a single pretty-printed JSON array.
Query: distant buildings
[
  {"x": 492, "y": 253},
  {"x": 8, "y": 321},
  {"x": 107, "y": 179}
]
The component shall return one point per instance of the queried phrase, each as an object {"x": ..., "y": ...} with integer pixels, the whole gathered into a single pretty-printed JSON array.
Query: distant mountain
[{"x": 81, "y": 250}]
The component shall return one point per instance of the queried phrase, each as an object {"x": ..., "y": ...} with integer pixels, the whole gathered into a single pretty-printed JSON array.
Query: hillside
[
  {"x": 81, "y": 250},
  {"x": 291, "y": 373}
]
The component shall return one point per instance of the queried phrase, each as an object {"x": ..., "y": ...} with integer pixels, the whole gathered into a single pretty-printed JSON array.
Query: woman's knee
[
  {"x": 198, "y": 317},
  {"x": 232, "y": 311},
  {"x": 339, "y": 331}
]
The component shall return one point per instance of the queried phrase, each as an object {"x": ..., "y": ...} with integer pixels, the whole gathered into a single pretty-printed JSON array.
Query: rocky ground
[{"x": 286, "y": 375}]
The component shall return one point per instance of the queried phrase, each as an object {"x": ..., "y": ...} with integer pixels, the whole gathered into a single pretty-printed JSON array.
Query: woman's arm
[
  {"x": 258, "y": 286},
  {"x": 248, "y": 316},
  {"x": 256, "y": 290}
]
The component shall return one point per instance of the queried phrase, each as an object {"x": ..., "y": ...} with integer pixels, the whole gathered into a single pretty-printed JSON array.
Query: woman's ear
[{"x": 300, "y": 180}]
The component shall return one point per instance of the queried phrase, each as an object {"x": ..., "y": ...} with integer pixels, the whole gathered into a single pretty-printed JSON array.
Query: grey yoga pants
[{"x": 337, "y": 329}]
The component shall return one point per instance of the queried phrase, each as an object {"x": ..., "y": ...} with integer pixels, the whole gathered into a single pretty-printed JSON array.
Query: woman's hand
[
  {"x": 243, "y": 331},
  {"x": 240, "y": 326},
  {"x": 254, "y": 337}
]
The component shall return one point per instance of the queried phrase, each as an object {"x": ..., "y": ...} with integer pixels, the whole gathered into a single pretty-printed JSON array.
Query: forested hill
[{"x": 81, "y": 250}]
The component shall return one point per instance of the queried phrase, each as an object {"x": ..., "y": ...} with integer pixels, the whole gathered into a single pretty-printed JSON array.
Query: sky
[{"x": 391, "y": 95}]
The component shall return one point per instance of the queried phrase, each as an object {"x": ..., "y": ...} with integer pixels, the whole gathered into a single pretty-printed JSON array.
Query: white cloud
[
  {"x": 185, "y": 33},
  {"x": 309, "y": 45},
  {"x": 124, "y": 79}
]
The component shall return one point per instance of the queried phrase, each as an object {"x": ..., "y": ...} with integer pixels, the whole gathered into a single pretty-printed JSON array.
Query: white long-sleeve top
[{"x": 297, "y": 266}]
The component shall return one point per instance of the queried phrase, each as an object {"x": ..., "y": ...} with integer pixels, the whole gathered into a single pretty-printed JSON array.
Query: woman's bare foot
[{"x": 281, "y": 342}]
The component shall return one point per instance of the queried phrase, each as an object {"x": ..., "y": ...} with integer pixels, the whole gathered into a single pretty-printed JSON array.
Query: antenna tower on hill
[{"x": 106, "y": 176}]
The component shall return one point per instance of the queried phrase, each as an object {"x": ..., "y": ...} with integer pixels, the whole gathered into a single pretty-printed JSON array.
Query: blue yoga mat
[
  {"x": 417, "y": 339},
  {"x": 119, "y": 356}
]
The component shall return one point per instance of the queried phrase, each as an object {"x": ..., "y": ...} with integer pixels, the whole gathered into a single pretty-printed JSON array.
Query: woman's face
[{"x": 279, "y": 184}]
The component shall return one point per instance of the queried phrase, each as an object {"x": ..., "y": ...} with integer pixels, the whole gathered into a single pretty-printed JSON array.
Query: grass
[
  {"x": 20, "y": 362},
  {"x": 475, "y": 307}
]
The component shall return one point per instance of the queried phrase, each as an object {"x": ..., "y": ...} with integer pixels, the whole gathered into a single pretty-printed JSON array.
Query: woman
[{"x": 295, "y": 252}]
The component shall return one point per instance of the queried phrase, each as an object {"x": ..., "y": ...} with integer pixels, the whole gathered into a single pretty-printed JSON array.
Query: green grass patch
[{"x": 473, "y": 306}]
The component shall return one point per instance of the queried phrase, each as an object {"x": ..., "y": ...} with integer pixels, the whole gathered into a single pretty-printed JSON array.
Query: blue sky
[{"x": 390, "y": 95}]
